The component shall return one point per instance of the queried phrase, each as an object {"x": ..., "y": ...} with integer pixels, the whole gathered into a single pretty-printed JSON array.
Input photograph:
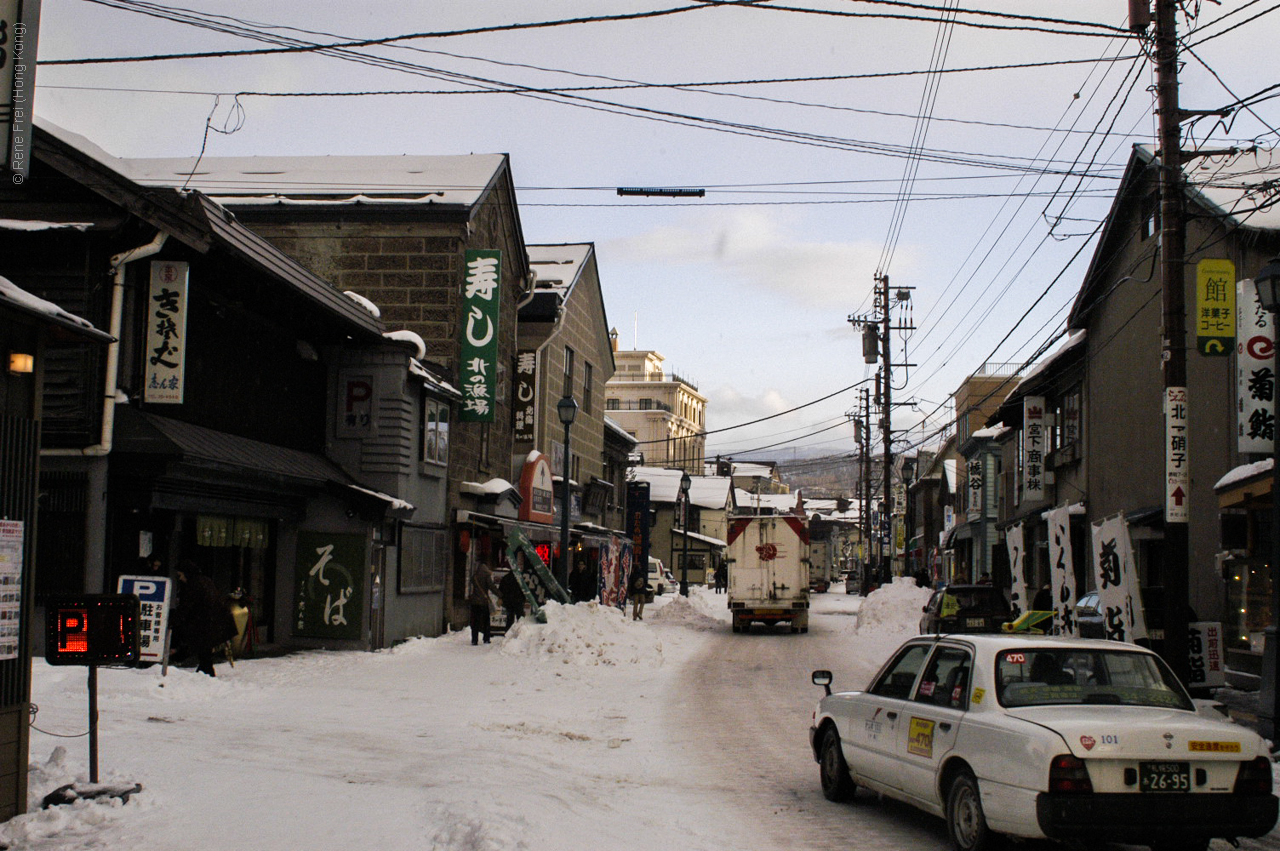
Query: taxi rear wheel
[
  {"x": 837, "y": 785},
  {"x": 965, "y": 820}
]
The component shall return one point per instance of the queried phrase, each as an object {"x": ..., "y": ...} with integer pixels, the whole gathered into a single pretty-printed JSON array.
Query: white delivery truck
[{"x": 769, "y": 570}]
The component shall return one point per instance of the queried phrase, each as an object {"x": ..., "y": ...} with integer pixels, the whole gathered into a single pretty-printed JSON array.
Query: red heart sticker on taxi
[{"x": 1088, "y": 742}]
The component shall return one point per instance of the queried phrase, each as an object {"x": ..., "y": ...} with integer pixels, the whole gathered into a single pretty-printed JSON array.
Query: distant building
[{"x": 664, "y": 412}]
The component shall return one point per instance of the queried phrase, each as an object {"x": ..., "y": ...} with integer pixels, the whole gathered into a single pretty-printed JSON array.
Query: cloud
[{"x": 765, "y": 251}]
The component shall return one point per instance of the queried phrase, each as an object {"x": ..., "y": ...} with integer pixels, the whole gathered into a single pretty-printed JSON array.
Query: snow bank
[
  {"x": 585, "y": 634},
  {"x": 894, "y": 609},
  {"x": 688, "y": 612}
]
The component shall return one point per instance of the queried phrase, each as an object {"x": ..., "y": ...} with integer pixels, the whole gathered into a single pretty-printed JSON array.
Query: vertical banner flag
[
  {"x": 1205, "y": 647},
  {"x": 638, "y": 524},
  {"x": 1033, "y": 448},
  {"x": 1119, "y": 598},
  {"x": 19, "y": 23},
  {"x": 166, "y": 333},
  {"x": 1255, "y": 372},
  {"x": 522, "y": 403},
  {"x": 1018, "y": 600},
  {"x": 480, "y": 311},
  {"x": 1177, "y": 463},
  {"x": 975, "y": 488},
  {"x": 1062, "y": 571},
  {"x": 1215, "y": 307}
]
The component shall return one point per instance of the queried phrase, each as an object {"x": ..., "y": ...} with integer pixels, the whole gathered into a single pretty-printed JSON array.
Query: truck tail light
[
  {"x": 1068, "y": 774},
  {"x": 1254, "y": 777}
]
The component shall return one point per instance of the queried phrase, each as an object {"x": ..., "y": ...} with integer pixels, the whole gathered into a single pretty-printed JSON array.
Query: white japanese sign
[
  {"x": 12, "y": 537},
  {"x": 155, "y": 594},
  {"x": 1033, "y": 448},
  {"x": 975, "y": 488},
  {"x": 166, "y": 333},
  {"x": 1062, "y": 571},
  {"x": 1018, "y": 600},
  {"x": 1208, "y": 655},
  {"x": 1177, "y": 463},
  {"x": 1119, "y": 598},
  {"x": 1255, "y": 372}
]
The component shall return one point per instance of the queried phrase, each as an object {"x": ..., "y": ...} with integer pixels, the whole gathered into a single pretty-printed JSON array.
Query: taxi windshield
[{"x": 1074, "y": 676}]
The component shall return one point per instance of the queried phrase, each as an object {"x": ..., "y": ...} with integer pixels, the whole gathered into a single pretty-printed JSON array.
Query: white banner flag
[
  {"x": 1062, "y": 571},
  {"x": 1255, "y": 371},
  {"x": 1018, "y": 600},
  {"x": 1119, "y": 598}
]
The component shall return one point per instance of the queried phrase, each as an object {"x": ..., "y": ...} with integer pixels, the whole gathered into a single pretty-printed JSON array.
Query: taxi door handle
[{"x": 944, "y": 727}]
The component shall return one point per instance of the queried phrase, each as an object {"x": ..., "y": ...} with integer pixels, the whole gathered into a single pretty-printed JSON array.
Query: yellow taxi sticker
[
  {"x": 978, "y": 694},
  {"x": 1213, "y": 747},
  {"x": 920, "y": 737}
]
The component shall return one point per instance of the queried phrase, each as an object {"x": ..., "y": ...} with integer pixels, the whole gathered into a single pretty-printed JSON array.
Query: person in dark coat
[
  {"x": 478, "y": 591},
  {"x": 202, "y": 619},
  {"x": 512, "y": 597},
  {"x": 582, "y": 583}
]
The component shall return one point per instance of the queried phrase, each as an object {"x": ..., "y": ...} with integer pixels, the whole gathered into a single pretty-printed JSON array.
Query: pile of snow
[
  {"x": 894, "y": 609},
  {"x": 690, "y": 612},
  {"x": 585, "y": 634}
]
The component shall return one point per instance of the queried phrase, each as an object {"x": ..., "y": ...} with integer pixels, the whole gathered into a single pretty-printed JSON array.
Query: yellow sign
[
  {"x": 1213, "y": 747},
  {"x": 1215, "y": 307},
  {"x": 978, "y": 694},
  {"x": 920, "y": 737}
]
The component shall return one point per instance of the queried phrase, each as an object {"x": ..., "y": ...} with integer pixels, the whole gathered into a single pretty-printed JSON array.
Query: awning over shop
[
  {"x": 1245, "y": 484},
  {"x": 533, "y": 531}
]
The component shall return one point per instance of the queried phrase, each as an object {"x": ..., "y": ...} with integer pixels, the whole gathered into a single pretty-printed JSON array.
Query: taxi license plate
[
  {"x": 1164, "y": 777},
  {"x": 975, "y": 622}
]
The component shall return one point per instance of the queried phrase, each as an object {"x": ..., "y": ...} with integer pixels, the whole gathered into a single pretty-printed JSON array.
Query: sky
[
  {"x": 558, "y": 736},
  {"x": 748, "y": 290}
]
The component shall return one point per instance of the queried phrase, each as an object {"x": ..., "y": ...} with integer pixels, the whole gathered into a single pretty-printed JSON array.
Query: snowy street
[{"x": 591, "y": 731}]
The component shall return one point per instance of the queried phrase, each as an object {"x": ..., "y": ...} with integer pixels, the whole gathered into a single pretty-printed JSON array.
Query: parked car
[
  {"x": 818, "y": 585},
  {"x": 1090, "y": 621},
  {"x": 1043, "y": 736},
  {"x": 852, "y": 584},
  {"x": 965, "y": 608},
  {"x": 660, "y": 578}
]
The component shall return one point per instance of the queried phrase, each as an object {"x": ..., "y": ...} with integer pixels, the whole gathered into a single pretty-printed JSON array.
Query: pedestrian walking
[
  {"x": 512, "y": 597},
  {"x": 202, "y": 619},
  {"x": 721, "y": 578},
  {"x": 479, "y": 589},
  {"x": 639, "y": 590}
]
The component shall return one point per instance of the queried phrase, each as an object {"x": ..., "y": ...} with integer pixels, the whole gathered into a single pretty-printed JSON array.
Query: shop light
[{"x": 21, "y": 364}]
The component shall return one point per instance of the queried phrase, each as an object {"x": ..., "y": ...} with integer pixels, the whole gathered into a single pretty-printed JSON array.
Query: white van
[{"x": 660, "y": 579}]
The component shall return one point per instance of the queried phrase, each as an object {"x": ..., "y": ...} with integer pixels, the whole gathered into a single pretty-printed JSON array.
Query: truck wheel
[{"x": 837, "y": 785}]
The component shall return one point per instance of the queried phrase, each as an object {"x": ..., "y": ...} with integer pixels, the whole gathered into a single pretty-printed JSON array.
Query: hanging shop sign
[
  {"x": 1033, "y": 448},
  {"x": 638, "y": 523},
  {"x": 1062, "y": 571},
  {"x": 1177, "y": 462},
  {"x": 1215, "y": 307},
  {"x": 166, "y": 333},
  {"x": 355, "y": 400},
  {"x": 523, "y": 401},
  {"x": 975, "y": 488},
  {"x": 537, "y": 491},
  {"x": 1255, "y": 372},
  {"x": 19, "y": 23},
  {"x": 480, "y": 304},
  {"x": 1119, "y": 598},
  {"x": 330, "y": 586}
]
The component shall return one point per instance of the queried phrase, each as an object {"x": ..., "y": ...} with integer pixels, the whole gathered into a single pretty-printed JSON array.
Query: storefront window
[
  {"x": 435, "y": 430},
  {"x": 1248, "y": 602}
]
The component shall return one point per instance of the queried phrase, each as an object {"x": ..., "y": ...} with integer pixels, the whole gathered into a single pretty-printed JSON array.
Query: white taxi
[{"x": 1039, "y": 736}]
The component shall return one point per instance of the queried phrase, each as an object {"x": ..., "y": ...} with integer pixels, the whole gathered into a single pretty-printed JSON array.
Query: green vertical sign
[
  {"x": 330, "y": 575},
  {"x": 480, "y": 304},
  {"x": 1215, "y": 307}
]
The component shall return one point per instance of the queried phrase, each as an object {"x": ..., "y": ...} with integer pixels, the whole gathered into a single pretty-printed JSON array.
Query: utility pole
[
  {"x": 1174, "y": 348},
  {"x": 876, "y": 334}
]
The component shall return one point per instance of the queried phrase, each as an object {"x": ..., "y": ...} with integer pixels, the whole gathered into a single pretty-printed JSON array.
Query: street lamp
[
  {"x": 685, "y": 481},
  {"x": 567, "y": 409},
  {"x": 1268, "y": 282}
]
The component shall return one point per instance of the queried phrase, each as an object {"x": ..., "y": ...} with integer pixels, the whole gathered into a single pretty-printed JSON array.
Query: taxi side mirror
[{"x": 822, "y": 678}]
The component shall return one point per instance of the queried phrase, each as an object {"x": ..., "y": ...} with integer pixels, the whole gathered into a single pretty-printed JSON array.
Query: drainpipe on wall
[{"x": 111, "y": 380}]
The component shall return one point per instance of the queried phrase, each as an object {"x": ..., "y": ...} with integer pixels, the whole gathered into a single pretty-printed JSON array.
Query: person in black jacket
[
  {"x": 202, "y": 620},
  {"x": 512, "y": 597}
]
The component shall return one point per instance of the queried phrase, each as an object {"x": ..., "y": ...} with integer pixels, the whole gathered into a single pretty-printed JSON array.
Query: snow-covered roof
[
  {"x": 1243, "y": 473},
  {"x": 14, "y": 296},
  {"x": 431, "y": 380},
  {"x": 313, "y": 180},
  {"x": 557, "y": 267},
  {"x": 706, "y": 539},
  {"x": 25, "y": 225},
  {"x": 993, "y": 432},
  {"x": 664, "y": 484},
  {"x": 781, "y": 503},
  {"x": 394, "y": 503},
  {"x": 710, "y": 491},
  {"x": 613, "y": 425},
  {"x": 413, "y": 338},
  {"x": 493, "y": 487},
  {"x": 747, "y": 469},
  {"x": 1074, "y": 340}
]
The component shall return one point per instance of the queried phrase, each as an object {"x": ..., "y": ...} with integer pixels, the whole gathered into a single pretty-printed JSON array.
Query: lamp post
[
  {"x": 567, "y": 409},
  {"x": 685, "y": 481},
  {"x": 1268, "y": 283}
]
